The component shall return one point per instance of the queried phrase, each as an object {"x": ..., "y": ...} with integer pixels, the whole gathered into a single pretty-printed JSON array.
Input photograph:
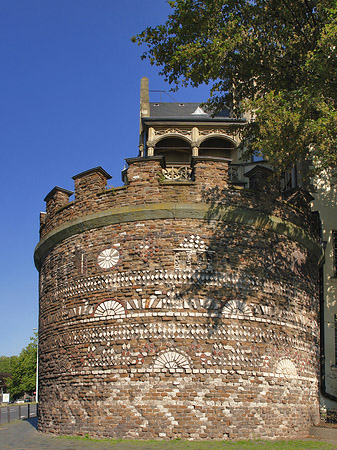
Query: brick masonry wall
[
  {"x": 191, "y": 327},
  {"x": 145, "y": 186}
]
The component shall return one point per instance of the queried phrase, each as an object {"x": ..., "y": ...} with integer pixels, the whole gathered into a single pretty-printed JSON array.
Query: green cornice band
[{"x": 200, "y": 211}]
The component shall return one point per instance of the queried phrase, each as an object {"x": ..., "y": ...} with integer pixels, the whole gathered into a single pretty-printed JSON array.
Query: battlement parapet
[
  {"x": 204, "y": 194},
  {"x": 144, "y": 184},
  {"x": 147, "y": 183}
]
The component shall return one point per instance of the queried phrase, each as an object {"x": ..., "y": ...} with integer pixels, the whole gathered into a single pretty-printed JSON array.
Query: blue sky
[{"x": 69, "y": 101}]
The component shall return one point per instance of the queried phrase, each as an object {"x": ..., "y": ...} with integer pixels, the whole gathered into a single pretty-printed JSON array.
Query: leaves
[
  {"x": 273, "y": 58},
  {"x": 292, "y": 126},
  {"x": 23, "y": 374},
  {"x": 7, "y": 365}
]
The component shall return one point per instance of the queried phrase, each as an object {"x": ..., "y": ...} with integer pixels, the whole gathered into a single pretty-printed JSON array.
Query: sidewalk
[{"x": 22, "y": 435}]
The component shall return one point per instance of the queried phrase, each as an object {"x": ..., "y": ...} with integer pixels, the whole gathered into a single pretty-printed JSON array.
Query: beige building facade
[{"x": 325, "y": 202}]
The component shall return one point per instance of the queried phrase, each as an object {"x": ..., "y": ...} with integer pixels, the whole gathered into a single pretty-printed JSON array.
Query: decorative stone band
[
  {"x": 177, "y": 173},
  {"x": 222, "y": 353},
  {"x": 176, "y": 278},
  {"x": 252, "y": 373},
  {"x": 200, "y": 211},
  {"x": 124, "y": 332},
  {"x": 310, "y": 327}
]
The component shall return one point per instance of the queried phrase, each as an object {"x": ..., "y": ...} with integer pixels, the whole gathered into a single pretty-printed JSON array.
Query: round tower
[{"x": 182, "y": 304}]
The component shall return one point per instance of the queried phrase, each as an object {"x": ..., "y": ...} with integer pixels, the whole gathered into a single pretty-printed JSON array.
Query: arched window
[
  {"x": 175, "y": 150},
  {"x": 217, "y": 147}
]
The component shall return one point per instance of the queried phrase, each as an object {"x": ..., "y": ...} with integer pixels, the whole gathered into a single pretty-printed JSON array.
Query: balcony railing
[
  {"x": 177, "y": 173},
  {"x": 185, "y": 173}
]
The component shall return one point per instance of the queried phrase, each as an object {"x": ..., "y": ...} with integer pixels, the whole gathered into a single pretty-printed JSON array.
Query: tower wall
[{"x": 177, "y": 309}]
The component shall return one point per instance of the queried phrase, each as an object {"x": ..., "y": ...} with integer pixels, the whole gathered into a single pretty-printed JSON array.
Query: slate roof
[{"x": 183, "y": 111}]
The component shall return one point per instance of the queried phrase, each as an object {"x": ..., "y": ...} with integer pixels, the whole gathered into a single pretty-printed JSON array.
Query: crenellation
[
  {"x": 89, "y": 183},
  {"x": 42, "y": 219},
  {"x": 56, "y": 199},
  {"x": 154, "y": 191},
  {"x": 218, "y": 167}
]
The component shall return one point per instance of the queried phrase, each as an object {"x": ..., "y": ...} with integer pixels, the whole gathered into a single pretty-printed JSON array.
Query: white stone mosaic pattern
[
  {"x": 286, "y": 367},
  {"x": 109, "y": 308},
  {"x": 108, "y": 258},
  {"x": 171, "y": 360}
]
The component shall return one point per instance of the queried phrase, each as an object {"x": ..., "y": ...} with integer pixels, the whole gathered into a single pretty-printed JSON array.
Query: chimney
[
  {"x": 144, "y": 97},
  {"x": 144, "y": 110}
]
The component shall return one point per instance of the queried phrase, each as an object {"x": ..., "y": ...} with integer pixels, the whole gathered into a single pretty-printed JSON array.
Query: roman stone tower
[{"x": 184, "y": 303}]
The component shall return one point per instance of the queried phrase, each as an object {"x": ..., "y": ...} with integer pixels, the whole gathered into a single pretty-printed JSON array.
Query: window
[
  {"x": 175, "y": 150},
  {"x": 217, "y": 147},
  {"x": 334, "y": 249}
]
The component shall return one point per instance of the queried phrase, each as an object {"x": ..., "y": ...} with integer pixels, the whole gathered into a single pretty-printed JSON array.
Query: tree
[
  {"x": 23, "y": 378},
  {"x": 273, "y": 58},
  {"x": 7, "y": 365}
]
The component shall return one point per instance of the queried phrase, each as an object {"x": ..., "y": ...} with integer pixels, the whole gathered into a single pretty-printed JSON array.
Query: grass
[{"x": 177, "y": 444}]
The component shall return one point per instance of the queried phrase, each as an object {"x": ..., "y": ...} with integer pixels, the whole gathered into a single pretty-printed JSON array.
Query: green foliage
[
  {"x": 23, "y": 376},
  {"x": 275, "y": 59},
  {"x": 7, "y": 365}
]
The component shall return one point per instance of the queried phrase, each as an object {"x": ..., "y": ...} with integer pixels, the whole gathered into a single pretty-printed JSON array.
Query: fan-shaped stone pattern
[
  {"x": 286, "y": 367},
  {"x": 108, "y": 309},
  {"x": 237, "y": 307},
  {"x": 108, "y": 258},
  {"x": 171, "y": 360}
]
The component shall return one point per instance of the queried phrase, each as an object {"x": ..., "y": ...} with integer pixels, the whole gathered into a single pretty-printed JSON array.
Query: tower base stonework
[{"x": 177, "y": 309}]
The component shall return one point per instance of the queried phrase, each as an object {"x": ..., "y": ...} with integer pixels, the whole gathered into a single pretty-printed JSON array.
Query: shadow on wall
[{"x": 247, "y": 268}]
